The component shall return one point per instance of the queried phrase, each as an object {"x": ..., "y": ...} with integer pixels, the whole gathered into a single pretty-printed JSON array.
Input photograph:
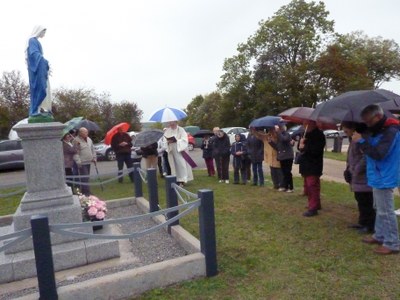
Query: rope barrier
[
  {"x": 143, "y": 175},
  {"x": 188, "y": 194},
  {"x": 57, "y": 228},
  {"x": 13, "y": 193},
  {"x": 20, "y": 237}
]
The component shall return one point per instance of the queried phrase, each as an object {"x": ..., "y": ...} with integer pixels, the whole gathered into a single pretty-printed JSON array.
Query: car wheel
[
  {"x": 190, "y": 147},
  {"x": 110, "y": 155}
]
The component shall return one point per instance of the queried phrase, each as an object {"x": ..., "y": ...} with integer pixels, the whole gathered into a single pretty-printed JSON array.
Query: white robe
[{"x": 179, "y": 167}]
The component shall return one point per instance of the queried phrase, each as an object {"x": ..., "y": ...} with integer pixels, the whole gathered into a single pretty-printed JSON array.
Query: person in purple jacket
[{"x": 356, "y": 175}]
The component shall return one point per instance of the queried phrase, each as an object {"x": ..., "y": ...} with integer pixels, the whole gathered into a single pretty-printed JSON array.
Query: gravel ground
[{"x": 155, "y": 247}]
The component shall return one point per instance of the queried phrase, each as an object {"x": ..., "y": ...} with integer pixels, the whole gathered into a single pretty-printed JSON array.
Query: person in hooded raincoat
[{"x": 38, "y": 70}]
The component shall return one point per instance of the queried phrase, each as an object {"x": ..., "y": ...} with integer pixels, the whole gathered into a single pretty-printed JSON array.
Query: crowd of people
[{"x": 372, "y": 169}]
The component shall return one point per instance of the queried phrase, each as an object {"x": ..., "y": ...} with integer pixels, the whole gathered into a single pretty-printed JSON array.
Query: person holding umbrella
[
  {"x": 121, "y": 143},
  {"x": 206, "y": 146},
  {"x": 381, "y": 145},
  {"x": 311, "y": 147}
]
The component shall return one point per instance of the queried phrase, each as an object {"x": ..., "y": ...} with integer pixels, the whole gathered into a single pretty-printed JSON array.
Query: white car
[
  {"x": 331, "y": 133},
  {"x": 232, "y": 131}
]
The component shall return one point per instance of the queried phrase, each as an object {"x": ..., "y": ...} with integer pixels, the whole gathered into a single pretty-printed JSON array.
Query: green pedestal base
[{"x": 41, "y": 118}]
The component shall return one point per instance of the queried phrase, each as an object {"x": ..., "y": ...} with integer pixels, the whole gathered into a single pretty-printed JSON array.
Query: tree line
[
  {"x": 295, "y": 58},
  {"x": 67, "y": 104}
]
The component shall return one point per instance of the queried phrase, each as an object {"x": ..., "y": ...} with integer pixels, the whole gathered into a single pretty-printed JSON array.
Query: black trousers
[
  {"x": 286, "y": 167},
  {"x": 222, "y": 164},
  {"x": 127, "y": 159},
  {"x": 365, "y": 202},
  {"x": 166, "y": 167}
]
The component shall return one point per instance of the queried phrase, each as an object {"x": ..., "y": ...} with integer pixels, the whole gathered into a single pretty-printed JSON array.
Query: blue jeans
[
  {"x": 258, "y": 173},
  {"x": 386, "y": 227}
]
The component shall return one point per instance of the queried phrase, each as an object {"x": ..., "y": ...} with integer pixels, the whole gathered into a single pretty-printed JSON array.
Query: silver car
[
  {"x": 11, "y": 155},
  {"x": 106, "y": 152}
]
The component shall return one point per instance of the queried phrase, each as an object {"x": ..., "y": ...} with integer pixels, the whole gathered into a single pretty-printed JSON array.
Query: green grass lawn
[
  {"x": 268, "y": 250},
  {"x": 334, "y": 155}
]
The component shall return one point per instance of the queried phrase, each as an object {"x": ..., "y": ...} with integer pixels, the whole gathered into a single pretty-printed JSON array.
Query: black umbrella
[
  {"x": 89, "y": 125},
  {"x": 202, "y": 133},
  {"x": 148, "y": 137},
  {"x": 348, "y": 106}
]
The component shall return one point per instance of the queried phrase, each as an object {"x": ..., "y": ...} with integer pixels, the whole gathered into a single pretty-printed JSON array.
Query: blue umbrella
[
  {"x": 168, "y": 114},
  {"x": 267, "y": 121}
]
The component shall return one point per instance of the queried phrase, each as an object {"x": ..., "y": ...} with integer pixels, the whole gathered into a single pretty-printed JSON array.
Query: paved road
[{"x": 333, "y": 170}]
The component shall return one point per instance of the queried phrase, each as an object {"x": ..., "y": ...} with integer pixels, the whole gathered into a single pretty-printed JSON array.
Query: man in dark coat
[
  {"x": 221, "y": 152},
  {"x": 255, "y": 150},
  {"x": 311, "y": 147},
  {"x": 121, "y": 143}
]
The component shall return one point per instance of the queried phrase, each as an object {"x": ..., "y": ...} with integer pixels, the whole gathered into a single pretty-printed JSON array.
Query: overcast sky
[{"x": 158, "y": 52}]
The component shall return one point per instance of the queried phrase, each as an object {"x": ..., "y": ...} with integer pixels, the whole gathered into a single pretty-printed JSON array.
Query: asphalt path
[{"x": 333, "y": 169}]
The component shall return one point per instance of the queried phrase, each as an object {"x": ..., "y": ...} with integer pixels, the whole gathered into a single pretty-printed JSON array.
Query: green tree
[
  {"x": 381, "y": 57},
  {"x": 275, "y": 68},
  {"x": 192, "y": 110},
  {"x": 128, "y": 111},
  {"x": 14, "y": 100}
]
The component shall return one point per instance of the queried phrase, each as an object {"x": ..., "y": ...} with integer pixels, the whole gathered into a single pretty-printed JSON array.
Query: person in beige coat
[
  {"x": 85, "y": 156},
  {"x": 271, "y": 156}
]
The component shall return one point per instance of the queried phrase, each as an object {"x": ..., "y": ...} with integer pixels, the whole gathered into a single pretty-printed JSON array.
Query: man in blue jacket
[{"x": 381, "y": 145}]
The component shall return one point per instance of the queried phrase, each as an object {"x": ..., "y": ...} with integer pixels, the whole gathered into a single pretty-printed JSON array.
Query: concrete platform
[{"x": 122, "y": 277}]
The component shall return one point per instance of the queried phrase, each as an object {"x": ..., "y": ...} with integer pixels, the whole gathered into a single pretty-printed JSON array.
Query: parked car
[
  {"x": 331, "y": 133},
  {"x": 104, "y": 151},
  {"x": 11, "y": 155},
  {"x": 192, "y": 142},
  {"x": 232, "y": 131},
  {"x": 296, "y": 132},
  {"x": 192, "y": 131}
]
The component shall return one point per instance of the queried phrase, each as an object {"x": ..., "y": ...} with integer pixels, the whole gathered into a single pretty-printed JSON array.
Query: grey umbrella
[
  {"x": 148, "y": 137},
  {"x": 348, "y": 106},
  {"x": 89, "y": 125}
]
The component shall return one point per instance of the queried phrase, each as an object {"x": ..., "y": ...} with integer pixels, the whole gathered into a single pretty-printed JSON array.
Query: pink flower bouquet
[{"x": 93, "y": 209}]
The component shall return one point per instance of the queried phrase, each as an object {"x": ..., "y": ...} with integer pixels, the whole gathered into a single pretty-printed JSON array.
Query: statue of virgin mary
[{"x": 38, "y": 69}]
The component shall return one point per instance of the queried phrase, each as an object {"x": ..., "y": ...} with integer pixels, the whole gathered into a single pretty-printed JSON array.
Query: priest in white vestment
[{"x": 177, "y": 142}]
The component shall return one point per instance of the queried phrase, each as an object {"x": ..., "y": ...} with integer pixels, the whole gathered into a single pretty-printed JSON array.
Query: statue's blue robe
[{"x": 38, "y": 69}]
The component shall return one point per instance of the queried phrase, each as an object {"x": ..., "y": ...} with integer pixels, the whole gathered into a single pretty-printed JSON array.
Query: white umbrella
[{"x": 13, "y": 135}]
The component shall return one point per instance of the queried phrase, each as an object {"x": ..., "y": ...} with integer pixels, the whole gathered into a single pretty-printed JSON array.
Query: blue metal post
[
  {"x": 172, "y": 199},
  {"x": 43, "y": 257},
  {"x": 207, "y": 231},
  {"x": 153, "y": 189},
  {"x": 137, "y": 180}
]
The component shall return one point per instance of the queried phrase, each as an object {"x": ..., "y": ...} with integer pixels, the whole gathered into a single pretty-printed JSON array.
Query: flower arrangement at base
[{"x": 93, "y": 209}]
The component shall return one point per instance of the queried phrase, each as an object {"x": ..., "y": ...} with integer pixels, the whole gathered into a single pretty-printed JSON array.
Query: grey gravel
[{"x": 151, "y": 248}]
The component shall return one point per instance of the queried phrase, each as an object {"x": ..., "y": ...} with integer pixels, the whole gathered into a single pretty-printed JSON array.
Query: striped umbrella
[{"x": 168, "y": 114}]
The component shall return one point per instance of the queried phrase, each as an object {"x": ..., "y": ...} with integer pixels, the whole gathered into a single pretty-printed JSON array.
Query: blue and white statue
[{"x": 38, "y": 69}]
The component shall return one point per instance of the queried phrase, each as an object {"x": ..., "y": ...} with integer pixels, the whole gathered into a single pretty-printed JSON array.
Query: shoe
[
  {"x": 254, "y": 184},
  {"x": 165, "y": 174},
  {"x": 226, "y": 181},
  {"x": 310, "y": 213},
  {"x": 221, "y": 181},
  {"x": 385, "y": 251},
  {"x": 370, "y": 240},
  {"x": 282, "y": 190},
  {"x": 289, "y": 191},
  {"x": 236, "y": 183},
  {"x": 355, "y": 226}
]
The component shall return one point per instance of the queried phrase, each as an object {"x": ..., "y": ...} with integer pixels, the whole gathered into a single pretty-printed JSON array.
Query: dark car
[
  {"x": 296, "y": 132},
  {"x": 11, "y": 155}
]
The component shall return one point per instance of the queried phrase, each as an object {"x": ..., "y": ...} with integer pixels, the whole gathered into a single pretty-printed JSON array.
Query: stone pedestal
[{"x": 47, "y": 194}]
